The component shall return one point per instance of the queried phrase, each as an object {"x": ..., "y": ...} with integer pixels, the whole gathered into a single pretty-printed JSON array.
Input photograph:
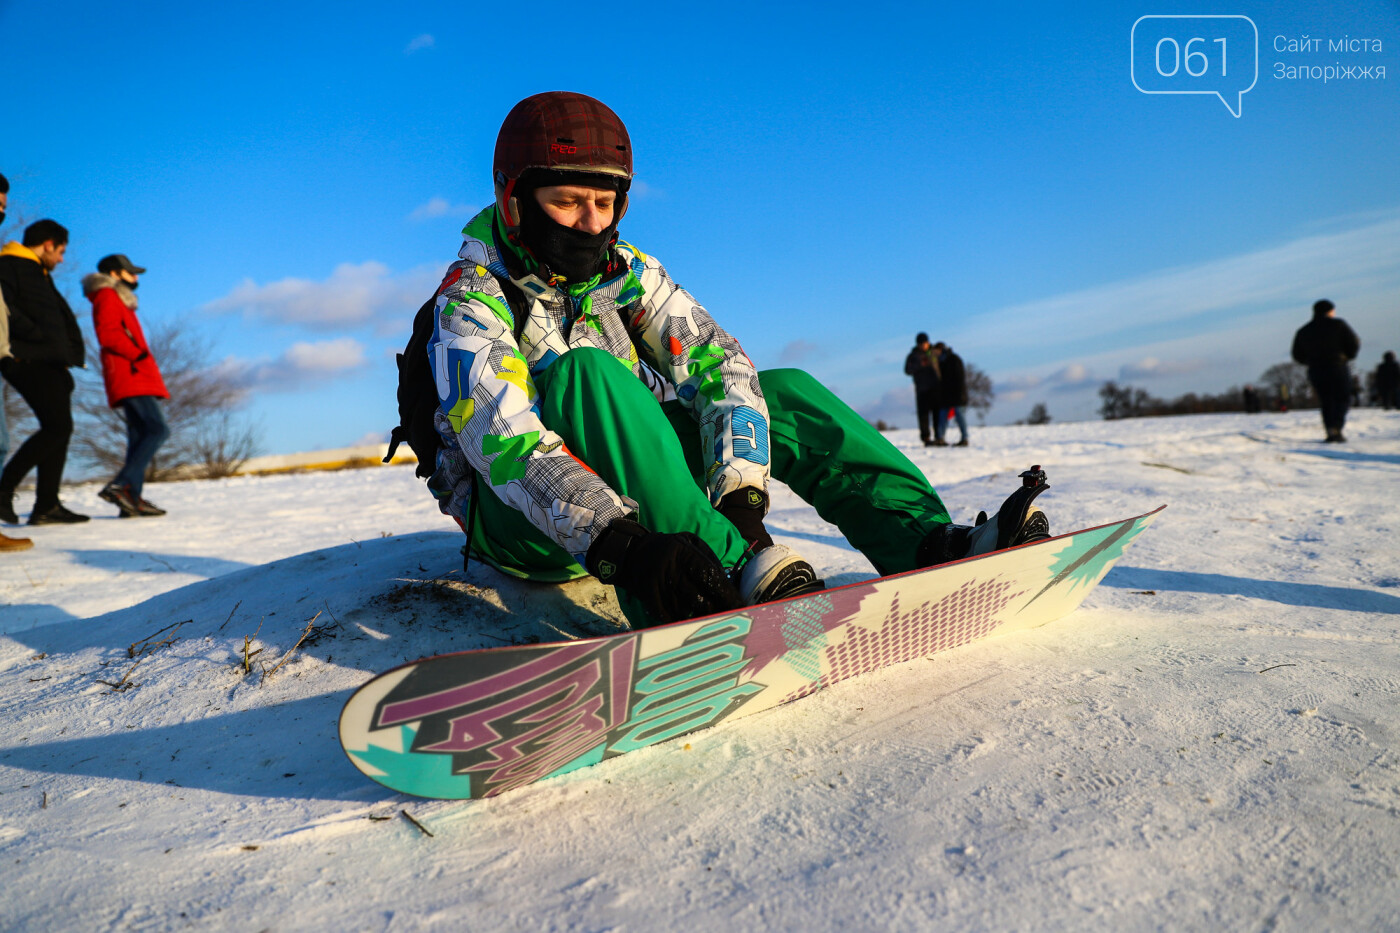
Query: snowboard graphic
[{"x": 479, "y": 723}]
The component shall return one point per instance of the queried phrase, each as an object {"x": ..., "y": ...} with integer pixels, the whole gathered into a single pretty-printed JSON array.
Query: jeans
[
  {"x": 941, "y": 420},
  {"x": 146, "y": 430}
]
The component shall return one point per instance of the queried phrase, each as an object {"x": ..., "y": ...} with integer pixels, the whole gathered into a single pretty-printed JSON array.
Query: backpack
[{"x": 418, "y": 398}]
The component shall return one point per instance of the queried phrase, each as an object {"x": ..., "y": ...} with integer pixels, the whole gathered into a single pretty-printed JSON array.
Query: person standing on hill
[
  {"x": 1388, "y": 381},
  {"x": 1326, "y": 345},
  {"x": 953, "y": 393},
  {"x": 45, "y": 342},
  {"x": 922, "y": 365},
  {"x": 6, "y": 542},
  {"x": 131, "y": 376}
]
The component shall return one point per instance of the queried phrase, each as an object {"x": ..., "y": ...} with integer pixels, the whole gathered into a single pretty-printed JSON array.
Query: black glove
[
  {"x": 675, "y": 576},
  {"x": 745, "y": 509}
]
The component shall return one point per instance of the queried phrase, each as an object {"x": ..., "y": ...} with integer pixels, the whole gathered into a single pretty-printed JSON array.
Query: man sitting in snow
[{"x": 601, "y": 419}]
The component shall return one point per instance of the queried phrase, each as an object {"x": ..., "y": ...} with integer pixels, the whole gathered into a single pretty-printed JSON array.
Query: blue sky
[{"x": 827, "y": 184}]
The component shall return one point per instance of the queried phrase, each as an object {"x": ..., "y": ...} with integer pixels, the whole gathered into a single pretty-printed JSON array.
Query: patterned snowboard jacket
[{"x": 488, "y": 405}]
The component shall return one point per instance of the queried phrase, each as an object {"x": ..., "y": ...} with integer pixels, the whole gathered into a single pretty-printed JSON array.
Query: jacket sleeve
[
  {"x": 1351, "y": 344},
  {"x": 1300, "y": 348},
  {"x": 108, "y": 314},
  {"x": 489, "y": 405},
  {"x": 714, "y": 379},
  {"x": 911, "y": 365}
]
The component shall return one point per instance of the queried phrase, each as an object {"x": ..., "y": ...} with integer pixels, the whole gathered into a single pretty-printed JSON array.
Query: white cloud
[
  {"x": 301, "y": 364},
  {"x": 419, "y": 43},
  {"x": 439, "y": 207},
  {"x": 352, "y": 294},
  {"x": 798, "y": 350},
  {"x": 1150, "y": 367},
  {"x": 1291, "y": 275},
  {"x": 896, "y": 407},
  {"x": 370, "y": 437}
]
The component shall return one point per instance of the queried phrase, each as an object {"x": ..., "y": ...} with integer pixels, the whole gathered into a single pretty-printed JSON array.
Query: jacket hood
[
  {"x": 96, "y": 281},
  {"x": 15, "y": 248}
]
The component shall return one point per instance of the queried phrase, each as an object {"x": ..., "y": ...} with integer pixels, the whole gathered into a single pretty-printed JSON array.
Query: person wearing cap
[
  {"x": 6, "y": 542},
  {"x": 596, "y": 419},
  {"x": 1326, "y": 345},
  {"x": 131, "y": 376},
  {"x": 922, "y": 365},
  {"x": 45, "y": 342}
]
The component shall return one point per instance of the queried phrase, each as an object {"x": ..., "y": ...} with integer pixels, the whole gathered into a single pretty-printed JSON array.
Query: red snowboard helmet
[{"x": 560, "y": 131}]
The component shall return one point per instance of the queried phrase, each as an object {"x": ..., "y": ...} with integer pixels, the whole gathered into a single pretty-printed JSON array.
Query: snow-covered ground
[{"x": 1211, "y": 742}]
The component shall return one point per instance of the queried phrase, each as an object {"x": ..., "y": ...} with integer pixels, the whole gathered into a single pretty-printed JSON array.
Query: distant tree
[
  {"x": 1295, "y": 377},
  {"x": 980, "y": 393},
  {"x": 1124, "y": 401},
  {"x": 1039, "y": 415},
  {"x": 882, "y": 426},
  {"x": 206, "y": 439}
]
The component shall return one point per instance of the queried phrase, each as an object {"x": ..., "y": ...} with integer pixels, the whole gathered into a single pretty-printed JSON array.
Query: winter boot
[
  {"x": 55, "y": 514},
  {"x": 14, "y": 544},
  {"x": 776, "y": 572},
  {"x": 1017, "y": 522},
  {"x": 122, "y": 497},
  {"x": 146, "y": 507}
]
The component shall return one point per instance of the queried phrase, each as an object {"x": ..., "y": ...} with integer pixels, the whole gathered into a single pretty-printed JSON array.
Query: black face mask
[
  {"x": 131, "y": 285},
  {"x": 574, "y": 254}
]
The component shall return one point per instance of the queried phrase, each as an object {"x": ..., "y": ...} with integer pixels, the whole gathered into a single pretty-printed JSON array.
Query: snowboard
[{"x": 480, "y": 723}]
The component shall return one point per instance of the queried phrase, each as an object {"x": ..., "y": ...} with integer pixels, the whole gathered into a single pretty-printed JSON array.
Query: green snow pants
[{"x": 831, "y": 457}]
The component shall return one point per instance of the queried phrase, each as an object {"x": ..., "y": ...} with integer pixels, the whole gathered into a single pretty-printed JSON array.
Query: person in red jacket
[{"x": 131, "y": 376}]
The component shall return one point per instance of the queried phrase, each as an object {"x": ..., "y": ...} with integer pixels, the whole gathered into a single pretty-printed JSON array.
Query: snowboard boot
[
  {"x": 1018, "y": 521},
  {"x": 776, "y": 572}
]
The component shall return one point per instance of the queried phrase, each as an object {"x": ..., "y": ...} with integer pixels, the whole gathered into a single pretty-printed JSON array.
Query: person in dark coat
[
  {"x": 953, "y": 391},
  {"x": 1251, "y": 400},
  {"x": 131, "y": 376},
  {"x": 923, "y": 366},
  {"x": 44, "y": 342},
  {"x": 1388, "y": 381},
  {"x": 1326, "y": 346}
]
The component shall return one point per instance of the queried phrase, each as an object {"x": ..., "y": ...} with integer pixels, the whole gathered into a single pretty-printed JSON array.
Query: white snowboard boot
[{"x": 776, "y": 572}]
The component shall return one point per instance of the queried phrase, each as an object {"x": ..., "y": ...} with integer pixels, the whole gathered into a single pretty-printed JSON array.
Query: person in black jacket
[
  {"x": 923, "y": 366},
  {"x": 1388, "y": 381},
  {"x": 1326, "y": 345},
  {"x": 953, "y": 393},
  {"x": 44, "y": 342}
]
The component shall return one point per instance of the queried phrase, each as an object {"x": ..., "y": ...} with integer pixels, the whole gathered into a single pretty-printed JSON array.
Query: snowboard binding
[{"x": 1018, "y": 521}]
